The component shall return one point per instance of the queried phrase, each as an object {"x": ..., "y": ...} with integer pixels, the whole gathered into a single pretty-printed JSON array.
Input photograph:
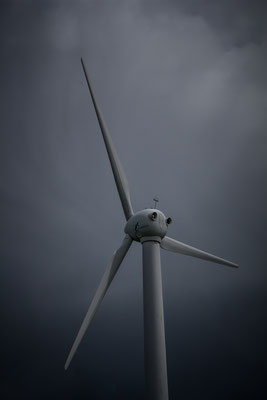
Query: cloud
[{"x": 183, "y": 91}]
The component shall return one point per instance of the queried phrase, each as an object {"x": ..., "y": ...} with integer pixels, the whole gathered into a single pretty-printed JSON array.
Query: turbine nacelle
[{"x": 147, "y": 223}]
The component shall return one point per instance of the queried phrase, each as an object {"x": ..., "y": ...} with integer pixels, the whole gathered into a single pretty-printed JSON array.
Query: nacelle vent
[{"x": 154, "y": 216}]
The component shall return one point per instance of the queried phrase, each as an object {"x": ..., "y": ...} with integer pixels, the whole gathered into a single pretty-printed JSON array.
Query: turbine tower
[{"x": 148, "y": 227}]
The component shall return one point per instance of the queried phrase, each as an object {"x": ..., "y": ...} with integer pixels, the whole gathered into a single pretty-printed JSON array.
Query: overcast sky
[{"x": 182, "y": 86}]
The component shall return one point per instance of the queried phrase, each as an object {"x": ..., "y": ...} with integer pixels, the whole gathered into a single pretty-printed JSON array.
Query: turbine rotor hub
[{"x": 147, "y": 223}]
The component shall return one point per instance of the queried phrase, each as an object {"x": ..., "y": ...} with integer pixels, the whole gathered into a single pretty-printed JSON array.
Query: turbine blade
[
  {"x": 119, "y": 175},
  {"x": 100, "y": 293},
  {"x": 178, "y": 247}
]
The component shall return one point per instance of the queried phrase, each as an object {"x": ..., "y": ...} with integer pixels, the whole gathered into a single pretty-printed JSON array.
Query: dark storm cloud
[
  {"x": 236, "y": 20},
  {"x": 182, "y": 86}
]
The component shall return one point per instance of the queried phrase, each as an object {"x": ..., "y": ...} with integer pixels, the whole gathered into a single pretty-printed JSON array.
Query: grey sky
[{"x": 182, "y": 86}]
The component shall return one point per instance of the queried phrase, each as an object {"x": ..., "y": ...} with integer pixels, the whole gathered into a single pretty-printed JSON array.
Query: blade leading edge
[
  {"x": 119, "y": 175},
  {"x": 100, "y": 293},
  {"x": 170, "y": 244}
]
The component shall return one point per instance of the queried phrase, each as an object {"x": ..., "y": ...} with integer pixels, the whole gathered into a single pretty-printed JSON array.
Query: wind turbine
[{"x": 149, "y": 227}]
